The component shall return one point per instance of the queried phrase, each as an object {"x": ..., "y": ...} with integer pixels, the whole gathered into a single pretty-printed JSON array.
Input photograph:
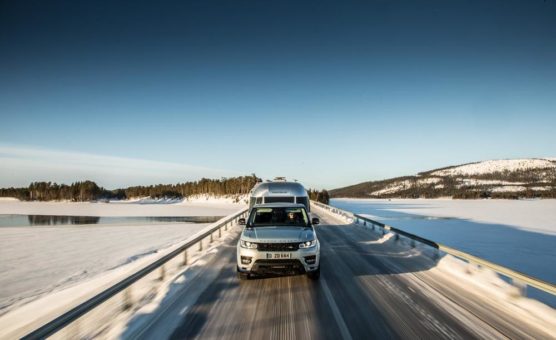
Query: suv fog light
[
  {"x": 245, "y": 259},
  {"x": 311, "y": 259}
]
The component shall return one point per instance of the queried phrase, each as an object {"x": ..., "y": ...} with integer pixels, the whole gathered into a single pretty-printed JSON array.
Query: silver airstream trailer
[{"x": 279, "y": 191}]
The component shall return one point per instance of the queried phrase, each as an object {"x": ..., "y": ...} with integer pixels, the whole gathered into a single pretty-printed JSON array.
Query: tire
[
  {"x": 314, "y": 275},
  {"x": 242, "y": 276}
]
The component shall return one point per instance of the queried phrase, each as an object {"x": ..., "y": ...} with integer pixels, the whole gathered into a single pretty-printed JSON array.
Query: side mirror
[
  {"x": 241, "y": 221},
  {"x": 315, "y": 220}
]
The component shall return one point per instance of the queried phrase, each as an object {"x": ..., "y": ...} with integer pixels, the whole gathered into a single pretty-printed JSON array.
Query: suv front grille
[
  {"x": 278, "y": 246},
  {"x": 277, "y": 267}
]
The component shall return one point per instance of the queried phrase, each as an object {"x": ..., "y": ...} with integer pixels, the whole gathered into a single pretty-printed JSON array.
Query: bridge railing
[
  {"x": 122, "y": 295},
  {"x": 519, "y": 279}
]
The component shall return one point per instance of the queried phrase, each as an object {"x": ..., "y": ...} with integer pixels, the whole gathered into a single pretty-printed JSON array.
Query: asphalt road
[{"x": 367, "y": 290}]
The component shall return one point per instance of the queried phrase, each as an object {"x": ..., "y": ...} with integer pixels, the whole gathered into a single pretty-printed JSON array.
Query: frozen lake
[
  {"x": 8, "y": 220},
  {"x": 520, "y": 235}
]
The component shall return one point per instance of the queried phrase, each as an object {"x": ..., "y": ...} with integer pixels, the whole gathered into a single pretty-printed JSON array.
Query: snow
[
  {"x": 540, "y": 188},
  {"x": 132, "y": 324},
  {"x": 495, "y": 185},
  {"x": 394, "y": 187},
  {"x": 429, "y": 180},
  {"x": 509, "y": 188},
  {"x": 473, "y": 181},
  {"x": 487, "y": 167},
  {"x": 486, "y": 283},
  {"x": 476, "y": 169},
  {"x": 19, "y": 321},
  {"x": 209, "y": 199},
  {"x": 193, "y": 199},
  {"x": 39, "y": 260},
  {"x": 478, "y": 281},
  {"x": 518, "y": 234},
  {"x": 537, "y": 216}
]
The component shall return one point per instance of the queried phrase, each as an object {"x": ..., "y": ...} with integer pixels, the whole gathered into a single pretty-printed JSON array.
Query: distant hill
[{"x": 506, "y": 178}]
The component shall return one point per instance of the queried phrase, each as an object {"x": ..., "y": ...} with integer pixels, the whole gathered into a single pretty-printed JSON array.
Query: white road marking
[{"x": 335, "y": 311}]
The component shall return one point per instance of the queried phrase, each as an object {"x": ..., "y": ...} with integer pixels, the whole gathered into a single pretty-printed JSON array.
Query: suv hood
[{"x": 278, "y": 234}]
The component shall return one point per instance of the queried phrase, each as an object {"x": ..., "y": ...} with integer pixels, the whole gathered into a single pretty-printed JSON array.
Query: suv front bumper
[{"x": 278, "y": 262}]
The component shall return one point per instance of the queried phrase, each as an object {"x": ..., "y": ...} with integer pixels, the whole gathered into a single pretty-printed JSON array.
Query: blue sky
[{"x": 329, "y": 93}]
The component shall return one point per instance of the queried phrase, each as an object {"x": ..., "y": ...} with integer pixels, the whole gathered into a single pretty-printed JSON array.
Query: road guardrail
[{"x": 519, "y": 279}]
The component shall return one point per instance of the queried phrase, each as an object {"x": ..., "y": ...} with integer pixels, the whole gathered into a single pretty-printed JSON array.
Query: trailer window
[
  {"x": 301, "y": 200},
  {"x": 279, "y": 199}
]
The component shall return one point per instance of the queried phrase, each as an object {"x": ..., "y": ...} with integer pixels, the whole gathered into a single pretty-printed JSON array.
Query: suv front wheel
[
  {"x": 314, "y": 275},
  {"x": 241, "y": 275}
]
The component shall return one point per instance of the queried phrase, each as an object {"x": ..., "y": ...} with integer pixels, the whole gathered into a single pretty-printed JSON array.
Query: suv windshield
[{"x": 265, "y": 217}]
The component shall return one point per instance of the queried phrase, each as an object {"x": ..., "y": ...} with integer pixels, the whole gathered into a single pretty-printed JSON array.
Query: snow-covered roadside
[
  {"x": 113, "y": 313},
  {"x": 36, "y": 261},
  {"x": 491, "y": 287},
  {"x": 470, "y": 278},
  {"x": 196, "y": 206},
  {"x": 531, "y": 215},
  {"x": 137, "y": 321},
  {"x": 193, "y": 199}
]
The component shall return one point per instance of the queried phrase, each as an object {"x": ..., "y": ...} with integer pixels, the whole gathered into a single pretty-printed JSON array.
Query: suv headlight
[
  {"x": 247, "y": 244},
  {"x": 308, "y": 244}
]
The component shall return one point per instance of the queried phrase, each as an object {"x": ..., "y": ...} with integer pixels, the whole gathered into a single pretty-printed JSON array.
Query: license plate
[{"x": 278, "y": 256}]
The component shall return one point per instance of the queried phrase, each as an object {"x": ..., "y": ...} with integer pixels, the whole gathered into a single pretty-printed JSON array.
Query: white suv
[{"x": 278, "y": 238}]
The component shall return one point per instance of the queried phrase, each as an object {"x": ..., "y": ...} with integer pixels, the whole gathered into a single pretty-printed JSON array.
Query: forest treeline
[
  {"x": 48, "y": 191},
  {"x": 90, "y": 191},
  {"x": 319, "y": 196},
  {"x": 225, "y": 186}
]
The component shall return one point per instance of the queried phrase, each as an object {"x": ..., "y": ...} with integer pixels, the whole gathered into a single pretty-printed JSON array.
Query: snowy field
[
  {"x": 198, "y": 206},
  {"x": 35, "y": 261},
  {"x": 519, "y": 234}
]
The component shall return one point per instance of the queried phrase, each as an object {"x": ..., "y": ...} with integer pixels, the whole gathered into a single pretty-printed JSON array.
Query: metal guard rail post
[
  {"x": 510, "y": 273},
  {"x": 67, "y": 318}
]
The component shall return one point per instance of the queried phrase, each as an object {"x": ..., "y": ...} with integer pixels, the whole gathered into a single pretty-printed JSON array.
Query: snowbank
[
  {"x": 36, "y": 261},
  {"x": 193, "y": 199},
  {"x": 490, "y": 286}
]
